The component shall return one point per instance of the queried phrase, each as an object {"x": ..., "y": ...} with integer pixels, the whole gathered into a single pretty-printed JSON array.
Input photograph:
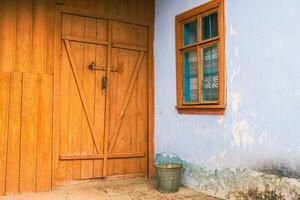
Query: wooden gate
[{"x": 100, "y": 98}]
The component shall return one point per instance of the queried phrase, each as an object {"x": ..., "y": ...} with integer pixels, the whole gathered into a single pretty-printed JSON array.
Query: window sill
[{"x": 204, "y": 109}]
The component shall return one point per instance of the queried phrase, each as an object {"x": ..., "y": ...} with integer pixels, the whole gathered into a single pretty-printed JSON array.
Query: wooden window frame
[{"x": 210, "y": 107}]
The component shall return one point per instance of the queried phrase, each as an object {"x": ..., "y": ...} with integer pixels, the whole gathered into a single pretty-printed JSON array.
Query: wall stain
[
  {"x": 279, "y": 169},
  {"x": 223, "y": 181}
]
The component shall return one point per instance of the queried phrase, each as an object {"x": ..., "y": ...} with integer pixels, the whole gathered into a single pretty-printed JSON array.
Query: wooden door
[
  {"x": 128, "y": 100},
  {"x": 101, "y": 99}
]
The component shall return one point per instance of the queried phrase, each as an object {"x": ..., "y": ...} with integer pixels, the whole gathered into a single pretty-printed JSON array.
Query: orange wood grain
[
  {"x": 14, "y": 134},
  {"x": 29, "y": 132},
  {"x": 4, "y": 117},
  {"x": 45, "y": 115},
  {"x": 44, "y": 132}
]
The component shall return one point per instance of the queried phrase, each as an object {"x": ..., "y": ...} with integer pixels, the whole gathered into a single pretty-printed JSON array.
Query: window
[{"x": 200, "y": 60}]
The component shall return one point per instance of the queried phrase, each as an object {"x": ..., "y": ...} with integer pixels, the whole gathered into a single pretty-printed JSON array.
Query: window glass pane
[
  {"x": 190, "y": 91},
  {"x": 210, "y": 77},
  {"x": 190, "y": 33},
  {"x": 209, "y": 26}
]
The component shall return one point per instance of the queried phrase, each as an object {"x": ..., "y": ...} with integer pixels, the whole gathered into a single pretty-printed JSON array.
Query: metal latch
[
  {"x": 93, "y": 66},
  {"x": 104, "y": 83}
]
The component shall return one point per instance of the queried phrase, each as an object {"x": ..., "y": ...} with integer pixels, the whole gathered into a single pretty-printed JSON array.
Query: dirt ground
[{"x": 131, "y": 189}]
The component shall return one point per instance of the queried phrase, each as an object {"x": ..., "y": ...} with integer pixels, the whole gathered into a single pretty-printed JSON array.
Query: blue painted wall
[{"x": 261, "y": 123}]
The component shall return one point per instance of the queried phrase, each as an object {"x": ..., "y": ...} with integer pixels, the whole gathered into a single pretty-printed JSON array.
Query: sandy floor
[{"x": 134, "y": 189}]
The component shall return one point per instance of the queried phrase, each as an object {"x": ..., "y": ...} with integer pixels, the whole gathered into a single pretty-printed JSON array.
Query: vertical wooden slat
[
  {"x": 108, "y": 90},
  {"x": 142, "y": 91},
  {"x": 4, "y": 114},
  {"x": 150, "y": 111},
  {"x": 75, "y": 104},
  {"x": 24, "y": 36},
  {"x": 122, "y": 83},
  {"x": 149, "y": 8},
  {"x": 65, "y": 77},
  {"x": 39, "y": 36},
  {"x": 13, "y": 149},
  {"x": 29, "y": 132},
  {"x": 130, "y": 119},
  {"x": 101, "y": 59},
  {"x": 140, "y": 9},
  {"x": 113, "y": 104},
  {"x": 123, "y": 7},
  {"x": 44, "y": 133},
  {"x": 50, "y": 36},
  {"x": 87, "y": 170},
  {"x": 113, "y": 7},
  {"x": 132, "y": 4},
  {"x": 58, "y": 168},
  {"x": 8, "y": 35}
]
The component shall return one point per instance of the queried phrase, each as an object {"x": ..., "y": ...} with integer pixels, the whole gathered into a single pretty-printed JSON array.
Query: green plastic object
[{"x": 168, "y": 176}]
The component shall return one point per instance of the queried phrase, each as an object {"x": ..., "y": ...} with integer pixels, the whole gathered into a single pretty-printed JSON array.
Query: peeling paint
[
  {"x": 235, "y": 98},
  {"x": 215, "y": 160},
  {"x": 241, "y": 135}
]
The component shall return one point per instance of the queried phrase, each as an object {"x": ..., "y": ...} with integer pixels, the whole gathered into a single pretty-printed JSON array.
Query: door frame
[{"x": 61, "y": 9}]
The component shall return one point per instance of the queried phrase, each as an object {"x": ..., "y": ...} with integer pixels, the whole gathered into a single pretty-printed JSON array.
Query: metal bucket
[{"x": 168, "y": 176}]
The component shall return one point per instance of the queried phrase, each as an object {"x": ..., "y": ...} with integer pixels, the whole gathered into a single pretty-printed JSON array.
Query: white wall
[{"x": 261, "y": 123}]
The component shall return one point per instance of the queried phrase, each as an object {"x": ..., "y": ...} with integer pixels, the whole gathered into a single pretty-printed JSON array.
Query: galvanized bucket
[{"x": 168, "y": 175}]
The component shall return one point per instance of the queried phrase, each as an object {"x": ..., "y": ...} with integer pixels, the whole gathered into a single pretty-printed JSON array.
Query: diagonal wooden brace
[
  {"x": 82, "y": 95},
  {"x": 126, "y": 101}
]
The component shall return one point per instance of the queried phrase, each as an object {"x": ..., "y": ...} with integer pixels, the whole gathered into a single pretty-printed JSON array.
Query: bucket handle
[{"x": 168, "y": 153}]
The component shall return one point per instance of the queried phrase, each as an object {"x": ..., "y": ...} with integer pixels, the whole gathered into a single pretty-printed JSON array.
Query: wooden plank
[
  {"x": 84, "y": 40},
  {"x": 112, "y": 7},
  {"x": 4, "y": 117},
  {"x": 75, "y": 104},
  {"x": 100, "y": 156},
  {"x": 87, "y": 166},
  {"x": 61, "y": 100},
  {"x": 122, "y": 82},
  {"x": 128, "y": 47},
  {"x": 44, "y": 133},
  {"x": 51, "y": 32},
  {"x": 113, "y": 104},
  {"x": 8, "y": 35},
  {"x": 149, "y": 9},
  {"x": 24, "y": 36},
  {"x": 81, "y": 157},
  {"x": 108, "y": 91},
  {"x": 150, "y": 114},
  {"x": 29, "y": 132},
  {"x": 142, "y": 118},
  {"x": 14, "y": 135},
  {"x": 123, "y": 8},
  {"x": 39, "y": 42},
  {"x": 126, "y": 101},
  {"x": 100, "y": 94},
  {"x": 126, "y": 155},
  {"x": 132, "y": 6},
  {"x": 128, "y": 130}
]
